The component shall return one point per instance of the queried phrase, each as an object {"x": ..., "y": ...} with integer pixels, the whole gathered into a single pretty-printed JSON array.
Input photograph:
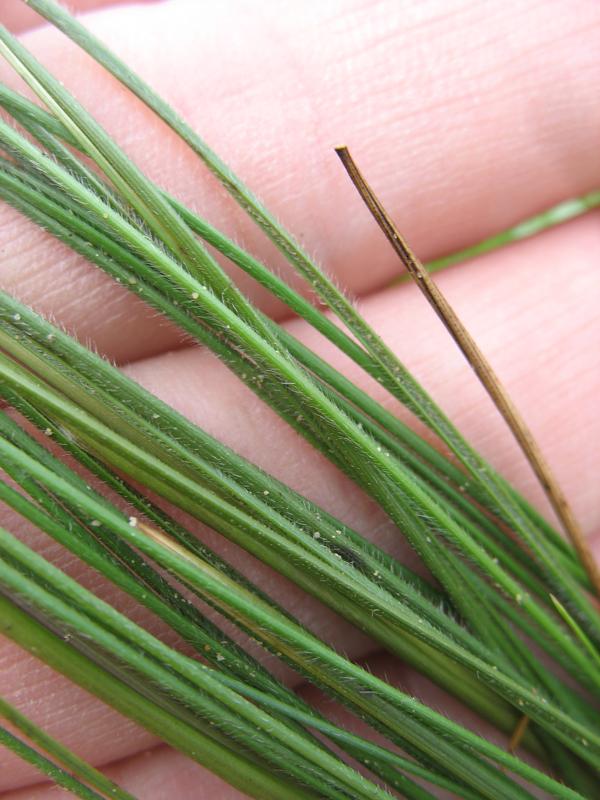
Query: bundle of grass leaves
[{"x": 507, "y": 622}]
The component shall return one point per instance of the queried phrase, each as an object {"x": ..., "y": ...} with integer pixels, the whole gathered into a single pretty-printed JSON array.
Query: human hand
[{"x": 465, "y": 120}]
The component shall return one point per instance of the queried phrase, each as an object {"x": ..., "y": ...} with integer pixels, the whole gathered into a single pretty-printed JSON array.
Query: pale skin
[{"x": 465, "y": 118}]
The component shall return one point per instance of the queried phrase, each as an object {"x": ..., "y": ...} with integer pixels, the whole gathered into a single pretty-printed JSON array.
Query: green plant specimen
[{"x": 506, "y": 622}]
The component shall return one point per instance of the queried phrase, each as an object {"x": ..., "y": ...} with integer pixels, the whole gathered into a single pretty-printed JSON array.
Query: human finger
[{"x": 464, "y": 118}]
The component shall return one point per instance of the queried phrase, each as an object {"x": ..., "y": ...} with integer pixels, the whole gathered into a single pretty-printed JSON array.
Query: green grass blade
[
  {"x": 52, "y": 771},
  {"x": 86, "y": 614},
  {"x": 266, "y": 623},
  {"x": 147, "y": 201},
  {"x": 247, "y": 775},
  {"x": 193, "y": 672},
  {"x": 77, "y": 416},
  {"x": 62, "y": 754},
  {"x": 593, "y": 651},
  {"x": 280, "y": 699},
  {"x": 558, "y": 214}
]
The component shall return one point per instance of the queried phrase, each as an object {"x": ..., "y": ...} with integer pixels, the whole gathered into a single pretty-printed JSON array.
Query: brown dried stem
[{"x": 480, "y": 365}]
